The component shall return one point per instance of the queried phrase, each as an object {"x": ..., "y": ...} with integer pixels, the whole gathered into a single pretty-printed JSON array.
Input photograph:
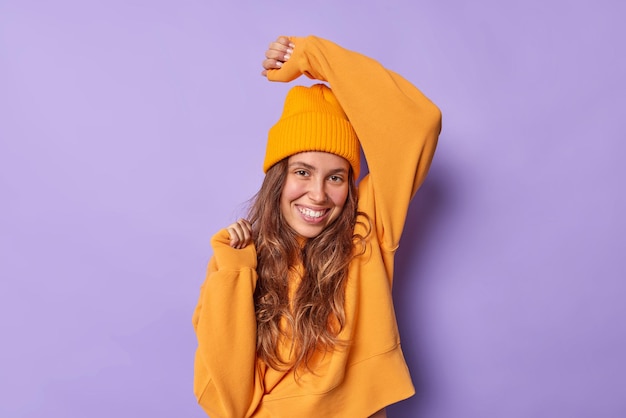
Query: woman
[{"x": 295, "y": 317}]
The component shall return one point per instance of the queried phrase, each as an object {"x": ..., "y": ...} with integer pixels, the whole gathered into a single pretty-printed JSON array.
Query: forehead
[{"x": 320, "y": 160}]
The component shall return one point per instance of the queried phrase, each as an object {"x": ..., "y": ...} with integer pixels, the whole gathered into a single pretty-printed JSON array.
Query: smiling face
[{"x": 315, "y": 191}]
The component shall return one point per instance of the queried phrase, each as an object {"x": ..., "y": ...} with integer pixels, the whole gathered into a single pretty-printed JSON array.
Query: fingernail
[
  {"x": 292, "y": 45},
  {"x": 287, "y": 56},
  {"x": 289, "y": 51},
  {"x": 279, "y": 64}
]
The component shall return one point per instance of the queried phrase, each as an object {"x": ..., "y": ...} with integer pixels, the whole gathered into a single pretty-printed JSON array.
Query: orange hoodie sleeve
[
  {"x": 397, "y": 125},
  {"x": 227, "y": 382}
]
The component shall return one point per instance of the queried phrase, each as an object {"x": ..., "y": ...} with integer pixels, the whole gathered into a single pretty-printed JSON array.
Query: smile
[{"x": 310, "y": 213}]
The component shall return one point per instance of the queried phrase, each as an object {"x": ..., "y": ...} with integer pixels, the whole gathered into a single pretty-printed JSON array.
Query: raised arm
[{"x": 397, "y": 125}]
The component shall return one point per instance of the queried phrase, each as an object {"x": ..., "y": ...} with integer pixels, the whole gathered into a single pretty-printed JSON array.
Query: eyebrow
[{"x": 313, "y": 168}]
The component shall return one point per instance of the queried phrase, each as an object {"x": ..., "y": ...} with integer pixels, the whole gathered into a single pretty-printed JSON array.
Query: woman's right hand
[{"x": 240, "y": 233}]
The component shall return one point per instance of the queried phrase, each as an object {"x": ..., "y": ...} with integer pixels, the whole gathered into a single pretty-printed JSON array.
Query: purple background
[{"x": 130, "y": 131}]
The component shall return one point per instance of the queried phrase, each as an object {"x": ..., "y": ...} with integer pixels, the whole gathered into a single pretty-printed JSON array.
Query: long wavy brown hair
[{"x": 312, "y": 318}]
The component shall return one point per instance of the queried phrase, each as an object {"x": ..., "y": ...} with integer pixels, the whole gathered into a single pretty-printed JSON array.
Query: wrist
[{"x": 229, "y": 258}]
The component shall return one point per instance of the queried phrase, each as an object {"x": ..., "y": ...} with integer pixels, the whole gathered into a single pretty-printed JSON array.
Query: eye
[
  {"x": 335, "y": 179},
  {"x": 302, "y": 173}
]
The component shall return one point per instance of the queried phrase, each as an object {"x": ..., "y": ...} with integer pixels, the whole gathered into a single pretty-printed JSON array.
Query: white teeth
[{"x": 311, "y": 213}]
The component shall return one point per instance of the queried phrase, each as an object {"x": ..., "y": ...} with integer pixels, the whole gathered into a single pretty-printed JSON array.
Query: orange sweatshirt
[{"x": 398, "y": 129}]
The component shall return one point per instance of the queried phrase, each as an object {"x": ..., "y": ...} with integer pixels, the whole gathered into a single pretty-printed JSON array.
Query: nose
[{"x": 317, "y": 191}]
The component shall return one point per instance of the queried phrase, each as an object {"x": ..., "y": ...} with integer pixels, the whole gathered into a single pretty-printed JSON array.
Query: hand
[
  {"x": 277, "y": 54},
  {"x": 240, "y": 234}
]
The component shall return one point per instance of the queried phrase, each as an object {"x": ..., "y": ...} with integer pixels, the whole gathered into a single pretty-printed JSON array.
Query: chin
[
  {"x": 308, "y": 234},
  {"x": 308, "y": 231}
]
